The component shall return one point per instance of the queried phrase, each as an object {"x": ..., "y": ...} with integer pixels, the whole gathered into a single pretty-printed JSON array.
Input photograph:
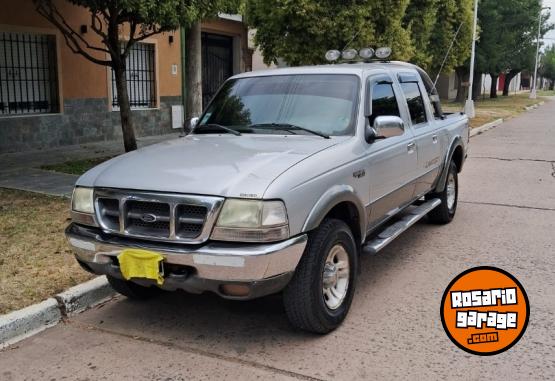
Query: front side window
[
  {"x": 384, "y": 102},
  {"x": 288, "y": 104},
  {"x": 141, "y": 77},
  {"x": 28, "y": 74},
  {"x": 414, "y": 102}
]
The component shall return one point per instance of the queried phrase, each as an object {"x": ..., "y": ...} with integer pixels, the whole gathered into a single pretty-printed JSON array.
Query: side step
[{"x": 409, "y": 218}]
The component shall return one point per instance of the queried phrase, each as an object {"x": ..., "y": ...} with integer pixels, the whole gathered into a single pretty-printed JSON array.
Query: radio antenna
[
  {"x": 447, "y": 55},
  {"x": 354, "y": 36}
]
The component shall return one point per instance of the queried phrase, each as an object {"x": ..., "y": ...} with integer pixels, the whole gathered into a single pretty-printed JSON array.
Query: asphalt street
[{"x": 506, "y": 219}]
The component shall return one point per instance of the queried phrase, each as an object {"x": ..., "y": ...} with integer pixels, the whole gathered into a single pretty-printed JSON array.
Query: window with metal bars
[
  {"x": 141, "y": 77},
  {"x": 28, "y": 74}
]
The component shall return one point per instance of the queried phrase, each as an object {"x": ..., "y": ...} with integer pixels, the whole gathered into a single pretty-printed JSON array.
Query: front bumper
[{"x": 263, "y": 268}]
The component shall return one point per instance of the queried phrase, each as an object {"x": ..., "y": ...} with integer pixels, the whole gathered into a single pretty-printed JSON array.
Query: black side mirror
[
  {"x": 370, "y": 134},
  {"x": 190, "y": 125}
]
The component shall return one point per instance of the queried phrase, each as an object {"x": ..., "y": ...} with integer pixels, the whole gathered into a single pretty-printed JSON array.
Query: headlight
[
  {"x": 252, "y": 221},
  {"x": 82, "y": 200}
]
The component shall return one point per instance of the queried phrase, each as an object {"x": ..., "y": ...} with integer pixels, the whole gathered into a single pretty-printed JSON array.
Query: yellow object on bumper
[{"x": 141, "y": 264}]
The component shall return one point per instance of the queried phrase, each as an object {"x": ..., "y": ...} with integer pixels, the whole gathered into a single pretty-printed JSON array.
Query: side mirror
[
  {"x": 190, "y": 124},
  {"x": 385, "y": 127}
]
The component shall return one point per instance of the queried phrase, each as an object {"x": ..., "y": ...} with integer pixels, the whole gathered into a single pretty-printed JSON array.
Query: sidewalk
[{"x": 22, "y": 170}]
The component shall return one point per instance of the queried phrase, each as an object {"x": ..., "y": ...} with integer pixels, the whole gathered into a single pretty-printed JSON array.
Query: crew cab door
[
  {"x": 426, "y": 134},
  {"x": 391, "y": 163}
]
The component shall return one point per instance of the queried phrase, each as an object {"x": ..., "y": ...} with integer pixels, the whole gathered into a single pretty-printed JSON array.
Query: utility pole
[
  {"x": 469, "y": 106},
  {"x": 534, "y": 92}
]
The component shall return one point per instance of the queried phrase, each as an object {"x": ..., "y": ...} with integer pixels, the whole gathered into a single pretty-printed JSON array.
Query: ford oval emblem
[{"x": 149, "y": 218}]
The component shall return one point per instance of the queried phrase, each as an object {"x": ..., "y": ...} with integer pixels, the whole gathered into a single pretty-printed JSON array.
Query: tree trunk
[
  {"x": 193, "y": 74},
  {"x": 477, "y": 86},
  {"x": 493, "y": 89},
  {"x": 508, "y": 80},
  {"x": 129, "y": 141},
  {"x": 461, "y": 90}
]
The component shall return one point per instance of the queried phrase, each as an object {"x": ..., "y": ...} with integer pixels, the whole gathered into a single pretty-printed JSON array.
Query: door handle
[
  {"x": 411, "y": 147},
  {"x": 434, "y": 139}
]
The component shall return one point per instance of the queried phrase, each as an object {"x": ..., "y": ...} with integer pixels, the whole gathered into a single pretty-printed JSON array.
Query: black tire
[
  {"x": 444, "y": 213},
  {"x": 132, "y": 290},
  {"x": 304, "y": 296}
]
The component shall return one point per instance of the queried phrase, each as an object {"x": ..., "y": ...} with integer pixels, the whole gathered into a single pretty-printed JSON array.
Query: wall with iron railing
[{"x": 28, "y": 73}]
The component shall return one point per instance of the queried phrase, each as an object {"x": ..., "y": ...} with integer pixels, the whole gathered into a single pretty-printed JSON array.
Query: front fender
[{"x": 331, "y": 198}]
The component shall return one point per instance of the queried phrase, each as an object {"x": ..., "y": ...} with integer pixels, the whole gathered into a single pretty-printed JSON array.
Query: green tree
[
  {"x": 118, "y": 26},
  {"x": 434, "y": 25},
  {"x": 548, "y": 66},
  {"x": 490, "y": 49},
  {"x": 507, "y": 41},
  {"x": 302, "y": 31},
  {"x": 420, "y": 20}
]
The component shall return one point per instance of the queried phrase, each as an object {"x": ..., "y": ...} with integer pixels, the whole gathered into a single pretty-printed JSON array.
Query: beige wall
[
  {"x": 258, "y": 61},
  {"x": 80, "y": 78}
]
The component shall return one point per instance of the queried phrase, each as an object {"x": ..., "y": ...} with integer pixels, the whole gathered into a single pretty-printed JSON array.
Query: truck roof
[{"x": 356, "y": 68}]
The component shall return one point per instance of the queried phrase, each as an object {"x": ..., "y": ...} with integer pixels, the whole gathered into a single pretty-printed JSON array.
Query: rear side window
[
  {"x": 384, "y": 102},
  {"x": 415, "y": 102}
]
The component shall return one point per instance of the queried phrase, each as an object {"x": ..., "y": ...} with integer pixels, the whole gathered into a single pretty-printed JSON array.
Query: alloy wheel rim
[
  {"x": 335, "y": 284},
  {"x": 451, "y": 191}
]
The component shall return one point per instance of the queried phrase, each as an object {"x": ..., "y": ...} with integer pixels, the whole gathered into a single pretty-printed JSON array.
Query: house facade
[{"x": 51, "y": 97}]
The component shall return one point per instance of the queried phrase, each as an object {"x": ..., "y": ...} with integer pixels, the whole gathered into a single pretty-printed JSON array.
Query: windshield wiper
[
  {"x": 288, "y": 127},
  {"x": 214, "y": 125}
]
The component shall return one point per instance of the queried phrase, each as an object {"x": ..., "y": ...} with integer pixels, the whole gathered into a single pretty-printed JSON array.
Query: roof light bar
[
  {"x": 349, "y": 54},
  {"x": 366, "y": 53},
  {"x": 352, "y": 54},
  {"x": 333, "y": 55},
  {"x": 383, "y": 53}
]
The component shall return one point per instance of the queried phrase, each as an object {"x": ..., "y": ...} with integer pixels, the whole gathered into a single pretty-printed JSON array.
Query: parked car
[{"x": 288, "y": 177}]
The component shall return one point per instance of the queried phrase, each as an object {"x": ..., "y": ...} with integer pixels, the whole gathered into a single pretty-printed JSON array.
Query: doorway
[{"x": 217, "y": 63}]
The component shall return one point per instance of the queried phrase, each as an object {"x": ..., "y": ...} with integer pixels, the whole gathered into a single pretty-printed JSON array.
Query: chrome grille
[
  {"x": 189, "y": 220},
  {"x": 157, "y": 216},
  {"x": 148, "y": 218},
  {"x": 108, "y": 209}
]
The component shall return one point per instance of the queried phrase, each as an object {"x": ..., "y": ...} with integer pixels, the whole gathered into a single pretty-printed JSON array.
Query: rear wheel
[
  {"x": 132, "y": 290},
  {"x": 445, "y": 212},
  {"x": 319, "y": 296}
]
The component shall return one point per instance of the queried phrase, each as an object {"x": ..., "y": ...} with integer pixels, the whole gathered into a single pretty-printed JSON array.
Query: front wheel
[
  {"x": 445, "y": 212},
  {"x": 319, "y": 296}
]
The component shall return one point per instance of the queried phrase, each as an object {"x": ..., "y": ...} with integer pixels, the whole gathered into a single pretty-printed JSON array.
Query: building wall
[
  {"x": 84, "y": 88},
  {"x": 447, "y": 85},
  {"x": 514, "y": 87}
]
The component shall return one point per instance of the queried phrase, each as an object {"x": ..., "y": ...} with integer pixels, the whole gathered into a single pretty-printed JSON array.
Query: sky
[{"x": 551, "y": 34}]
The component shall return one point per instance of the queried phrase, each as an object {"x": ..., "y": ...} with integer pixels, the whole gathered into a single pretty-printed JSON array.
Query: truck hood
[{"x": 222, "y": 165}]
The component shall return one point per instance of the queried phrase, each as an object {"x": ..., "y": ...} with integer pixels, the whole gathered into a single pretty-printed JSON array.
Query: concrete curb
[
  {"x": 21, "y": 324},
  {"x": 485, "y": 127},
  {"x": 85, "y": 295},
  {"x": 533, "y": 107},
  {"x": 28, "y": 321}
]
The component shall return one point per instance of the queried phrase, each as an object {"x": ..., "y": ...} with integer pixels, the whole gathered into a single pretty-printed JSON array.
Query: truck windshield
[{"x": 311, "y": 104}]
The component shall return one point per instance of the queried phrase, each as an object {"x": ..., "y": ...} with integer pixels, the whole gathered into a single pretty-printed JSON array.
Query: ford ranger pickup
[{"x": 288, "y": 177}]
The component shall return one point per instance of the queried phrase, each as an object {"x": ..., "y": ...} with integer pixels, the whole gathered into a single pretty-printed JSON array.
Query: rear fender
[{"x": 441, "y": 181}]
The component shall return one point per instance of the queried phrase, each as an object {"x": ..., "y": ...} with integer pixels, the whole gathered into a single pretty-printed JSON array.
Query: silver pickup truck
[{"x": 285, "y": 180}]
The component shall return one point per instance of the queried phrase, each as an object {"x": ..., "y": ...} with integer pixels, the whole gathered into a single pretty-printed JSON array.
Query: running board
[{"x": 410, "y": 217}]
